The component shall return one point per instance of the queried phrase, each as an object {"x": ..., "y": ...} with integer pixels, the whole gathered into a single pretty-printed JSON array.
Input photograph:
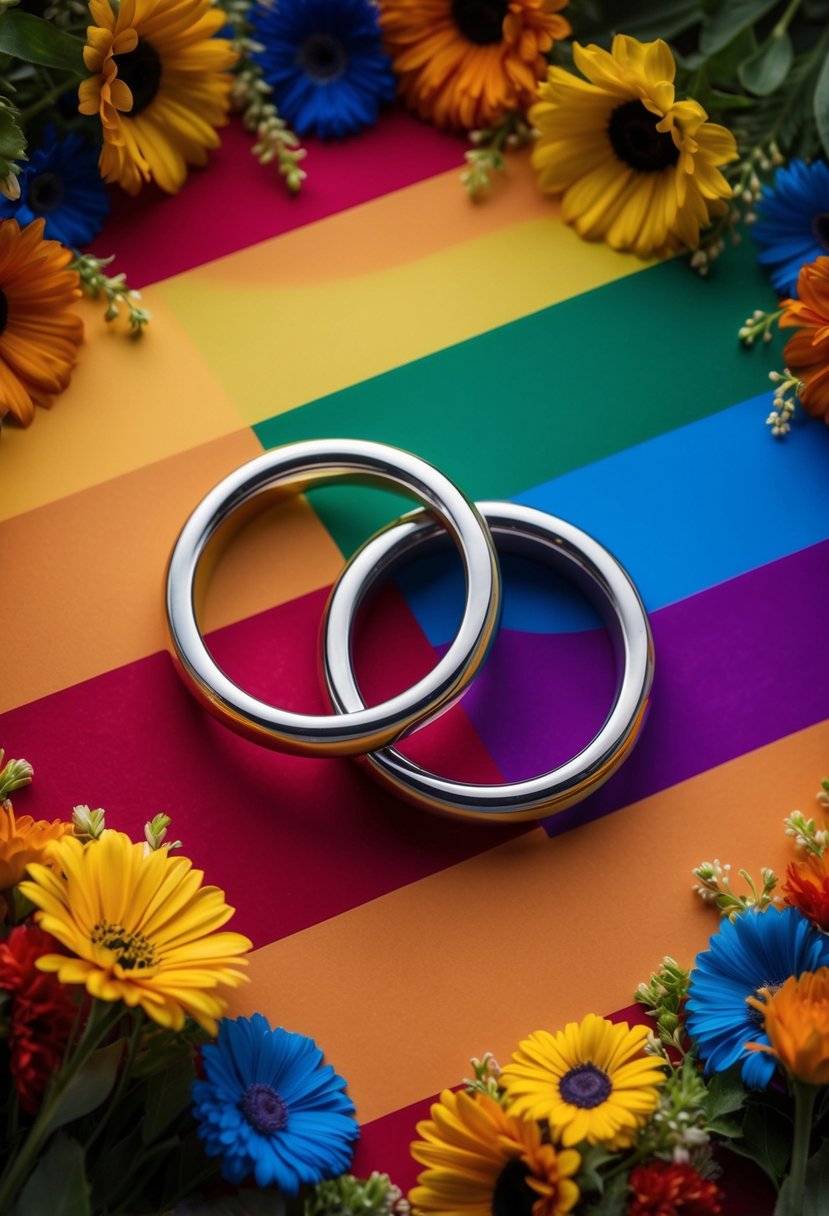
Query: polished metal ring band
[
  {"x": 583, "y": 560},
  {"x": 291, "y": 469}
]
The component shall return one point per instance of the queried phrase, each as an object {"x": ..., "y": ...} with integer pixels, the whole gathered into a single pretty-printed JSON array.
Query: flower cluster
[{"x": 115, "y": 965}]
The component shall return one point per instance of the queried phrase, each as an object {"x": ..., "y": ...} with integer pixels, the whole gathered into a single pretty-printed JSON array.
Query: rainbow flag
[{"x": 527, "y": 365}]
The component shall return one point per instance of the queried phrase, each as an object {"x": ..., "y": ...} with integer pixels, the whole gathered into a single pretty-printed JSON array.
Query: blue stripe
[{"x": 683, "y": 512}]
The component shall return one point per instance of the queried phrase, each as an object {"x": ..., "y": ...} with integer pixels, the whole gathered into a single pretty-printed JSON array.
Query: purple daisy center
[
  {"x": 820, "y": 229},
  {"x": 323, "y": 57},
  {"x": 585, "y": 1086},
  {"x": 264, "y": 1109}
]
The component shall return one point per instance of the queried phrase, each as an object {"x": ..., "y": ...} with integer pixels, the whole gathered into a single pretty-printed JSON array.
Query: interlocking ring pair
[{"x": 477, "y": 529}]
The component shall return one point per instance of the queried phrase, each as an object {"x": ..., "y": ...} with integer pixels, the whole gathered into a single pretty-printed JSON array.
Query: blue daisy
[
  {"x": 61, "y": 184},
  {"x": 793, "y": 224},
  {"x": 324, "y": 62},
  {"x": 270, "y": 1109},
  {"x": 755, "y": 950}
]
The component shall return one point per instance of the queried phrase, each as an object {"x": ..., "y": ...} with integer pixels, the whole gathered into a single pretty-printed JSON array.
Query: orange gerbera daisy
[
  {"x": 23, "y": 840},
  {"x": 39, "y": 333},
  {"x": 796, "y": 1020},
  {"x": 159, "y": 85},
  {"x": 807, "y": 352},
  {"x": 807, "y": 887},
  {"x": 464, "y": 63}
]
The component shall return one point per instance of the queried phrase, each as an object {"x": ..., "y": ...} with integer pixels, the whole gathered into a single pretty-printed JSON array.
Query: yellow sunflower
[
  {"x": 482, "y": 1160},
  {"x": 24, "y": 840},
  {"x": 140, "y": 927},
  {"x": 463, "y": 63},
  {"x": 39, "y": 333},
  {"x": 591, "y": 1081},
  {"x": 636, "y": 168},
  {"x": 159, "y": 85}
]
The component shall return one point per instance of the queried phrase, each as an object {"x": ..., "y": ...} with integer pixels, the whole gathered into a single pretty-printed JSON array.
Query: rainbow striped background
[{"x": 527, "y": 365}]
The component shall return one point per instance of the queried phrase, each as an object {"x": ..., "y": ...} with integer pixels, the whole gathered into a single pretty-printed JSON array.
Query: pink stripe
[
  {"x": 384, "y": 1146},
  {"x": 292, "y": 841},
  {"x": 237, "y": 202}
]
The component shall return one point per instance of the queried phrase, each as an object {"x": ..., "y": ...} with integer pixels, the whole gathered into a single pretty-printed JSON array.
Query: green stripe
[{"x": 555, "y": 390}]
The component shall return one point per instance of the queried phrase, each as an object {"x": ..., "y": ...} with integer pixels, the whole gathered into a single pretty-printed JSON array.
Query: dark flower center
[
  {"x": 4, "y": 311},
  {"x": 322, "y": 57},
  {"x": 636, "y": 141},
  {"x": 132, "y": 950},
  {"x": 141, "y": 71},
  {"x": 512, "y": 1196},
  {"x": 585, "y": 1086},
  {"x": 820, "y": 228},
  {"x": 754, "y": 1014},
  {"x": 45, "y": 192},
  {"x": 264, "y": 1109},
  {"x": 480, "y": 21}
]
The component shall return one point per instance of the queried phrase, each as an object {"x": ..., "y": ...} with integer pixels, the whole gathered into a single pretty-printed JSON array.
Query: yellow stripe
[{"x": 400, "y": 992}]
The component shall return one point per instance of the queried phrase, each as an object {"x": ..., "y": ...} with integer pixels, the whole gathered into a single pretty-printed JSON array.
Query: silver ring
[
  {"x": 291, "y": 469},
  {"x": 584, "y": 561}
]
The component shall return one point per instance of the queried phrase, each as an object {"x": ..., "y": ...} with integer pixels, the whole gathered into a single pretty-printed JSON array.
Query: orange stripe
[
  {"x": 86, "y": 590},
  {"x": 400, "y": 992}
]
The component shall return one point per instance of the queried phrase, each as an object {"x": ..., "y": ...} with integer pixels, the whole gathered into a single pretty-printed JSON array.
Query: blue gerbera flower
[
  {"x": 269, "y": 1108},
  {"x": 62, "y": 184},
  {"x": 793, "y": 224},
  {"x": 325, "y": 63},
  {"x": 755, "y": 950}
]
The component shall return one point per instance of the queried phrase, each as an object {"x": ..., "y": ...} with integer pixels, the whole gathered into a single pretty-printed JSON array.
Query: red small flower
[
  {"x": 42, "y": 1012},
  {"x": 807, "y": 886},
  {"x": 663, "y": 1189}
]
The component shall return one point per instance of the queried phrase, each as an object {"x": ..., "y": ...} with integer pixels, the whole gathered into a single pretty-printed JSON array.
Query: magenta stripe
[
  {"x": 292, "y": 841},
  {"x": 239, "y": 202},
  {"x": 737, "y": 666}
]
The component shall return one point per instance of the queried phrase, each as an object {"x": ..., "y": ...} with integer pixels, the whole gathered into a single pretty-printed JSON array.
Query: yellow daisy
[
  {"x": 160, "y": 86},
  {"x": 24, "y": 840},
  {"x": 591, "y": 1081},
  {"x": 140, "y": 927},
  {"x": 636, "y": 168},
  {"x": 39, "y": 331},
  {"x": 463, "y": 63},
  {"x": 482, "y": 1160}
]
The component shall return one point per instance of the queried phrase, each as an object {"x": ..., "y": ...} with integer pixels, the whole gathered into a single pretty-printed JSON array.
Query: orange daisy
[
  {"x": 465, "y": 63},
  {"x": 796, "y": 1020},
  {"x": 807, "y": 352},
  {"x": 24, "y": 840},
  {"x": 39, "y": 332}
]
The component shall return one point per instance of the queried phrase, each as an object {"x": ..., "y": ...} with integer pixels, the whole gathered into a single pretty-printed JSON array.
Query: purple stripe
[{"x": 737, "y": 666}]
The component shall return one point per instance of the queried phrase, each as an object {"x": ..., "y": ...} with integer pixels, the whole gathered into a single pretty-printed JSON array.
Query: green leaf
[
  {"x": 821, "y": 103},
  {"x": 12, "y": 141},
  {"x": 34, "y": 40},
  {"x": 593, "y": 1157},
  {"x": 726, "y": 1129},
  {"x": 725, "y": 1094},
  {"x": 613, "y": 1201},
  {"x": 168, "y": 1095},
  {"x": 767, "y": 1139},
  {"x": 90, "y": 1086},
  {"x": 646, "y": 21},
  {"x": 766, "y": 70},
  {"x": 58, "y": 1185},
  {"x": 817, "y": 1188},
  {"x": 732, "y": 17}
]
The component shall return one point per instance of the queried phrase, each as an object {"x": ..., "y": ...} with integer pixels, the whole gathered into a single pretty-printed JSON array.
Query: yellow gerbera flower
[
  {"x": 591, "y": 1081},
  {"x": 160, "y": 86},
  {"x": 24, "y": 840},
  {"x": 482, "y": 1160},
  {"x": 796, "y": 1019},
  {"x": 141, "y": 927},
  {"x": 463, "y": 63},
  {"x": 636, "y": 167},
  {"x": 39, "y": 332}
]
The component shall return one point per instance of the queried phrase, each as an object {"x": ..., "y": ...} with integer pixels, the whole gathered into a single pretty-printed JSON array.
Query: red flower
[
  {"x": 662, "y": 1189},
  {"x": 807, "y": 886},
  {"x": 42, "y": 1012}
]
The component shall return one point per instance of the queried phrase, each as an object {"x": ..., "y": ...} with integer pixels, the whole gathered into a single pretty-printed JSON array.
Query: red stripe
[
  {"x": 292, "y": 841},
  {"x": 237, "y": 202}
]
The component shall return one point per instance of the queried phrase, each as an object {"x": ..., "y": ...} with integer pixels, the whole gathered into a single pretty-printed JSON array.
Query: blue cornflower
[
  {"x": 270, "y": 1109},
  {"x": 793, "y": 224},
  {"x": 62, "y": 184},
  {"x": 325, "y": 63},
  {"x": 755, "y": 950}
]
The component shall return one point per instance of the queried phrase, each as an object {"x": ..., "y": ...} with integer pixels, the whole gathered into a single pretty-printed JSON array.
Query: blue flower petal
[
  {"x": 61, "y": 184},
  {"x": 793, "y": 224}
]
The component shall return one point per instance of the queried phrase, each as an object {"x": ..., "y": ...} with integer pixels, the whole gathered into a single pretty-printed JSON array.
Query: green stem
[
  {"x": 46, "y": 100},
  {"x": 804, "y": 1102},
  {"x": 126, "y": 1071},
  {"x": 102, "y": 1018},
  {"x": 785, "y": 21}
]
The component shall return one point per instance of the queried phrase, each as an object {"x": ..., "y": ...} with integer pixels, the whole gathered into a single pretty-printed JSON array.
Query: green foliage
[
  {"x": 12, "y": 139},
  {"x": 817, "y": 1188},
  {"x": 89, "y": 1088},
  {"x": 33, "y": 40},
  {"x": 58, "y": 1185},
  {"x": 612, "y": 1201},
  {"x": 766, "y": 1138},
  {"x": 821, "y": 105}
]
